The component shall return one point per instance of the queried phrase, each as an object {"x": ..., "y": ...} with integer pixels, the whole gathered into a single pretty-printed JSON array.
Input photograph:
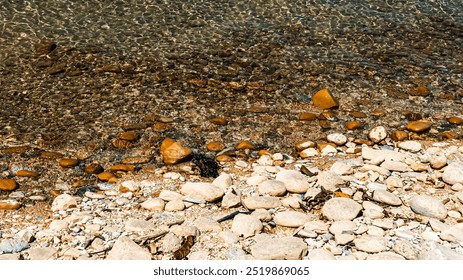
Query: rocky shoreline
[{"x": 335, "y": 200}]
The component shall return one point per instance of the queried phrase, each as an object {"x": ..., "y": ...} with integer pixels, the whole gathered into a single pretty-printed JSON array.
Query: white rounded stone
[
  {"x": 341, "y": 208},
  {"x": 377, "y": 134},
  {"x": 337, "y": 138},
  {"x": 428, "y": 206},
  {"x": 290, "y": 218},
  {"x": 272, "y": 187},
  {"x": 294, "y": 181}
]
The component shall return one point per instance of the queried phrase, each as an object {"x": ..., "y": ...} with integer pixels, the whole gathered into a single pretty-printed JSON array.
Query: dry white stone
[
  {"x": 167, "y": 195},
  {"x": 293, "y": 202},
  {"x": 290, "y": 218},
  {"x": 343, "y": 227},
  {"x": 317, "y": 226},
  {"x": 284, "y": 248},
  {"x": 202, "y": 191},
  {"x": 309, "y": 152},
  {"x": 294, "y": 181},
  {"x": 246, "y": 225},
  {"x": 126, "y": 249},
  {"x": 386, "y": 197},
  {"x": 42, "y": 253},
  {"x": 230, "y": 200},
  {"x": 58, "y": 225},
  {"x": 438, "y": 161},
  {"x": 341, "y": 208},
  {"x": 272, "y": 187},
  {"x": 138, "y": 225},
  {"x": 337, "y": 138},
  {"x": 321, "y": 254},
  {"x": 343, "y": 238},
  {"x": 453, "y": 173},
  {"x": 153, "y": 204},
  {"x": 262, "y": 214},
  {"x": 330, "y": 181},
  {"x": 229, "y": 237},
  {"x": 371, "y": 243},
  {"x": 372, "y": 210},
  {"x": 411, "y": 146},
  {"x": 224, "y": 181},
  {"x": 255, "y": 180},
  {"x": 265, "y": 202},
  {"x": 428, "y": 206},
  {"x": 385, "y": 256},
  {"x": 395, "y": 166},
  {"x": 64, "y": 202},
  {"x": 207, "y": 224},
  {"x": 175, "y": 205},
  {"x": 377, "y": 134},
  {"x": 341, "y": 168},
  {"x": 406, "y": 249},
  {"x": 453, "y": 234}
]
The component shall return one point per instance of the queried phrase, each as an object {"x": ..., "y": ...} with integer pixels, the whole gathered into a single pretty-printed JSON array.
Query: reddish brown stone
[
  {"x": 420, "y": 91},
  {"x": 307, "y": 116},
  {"x": 219, "y": 121},
  {"x": 105, "y": 176},
  {"x": 173, "y": 152},
  {"x": 94, "y": 168},
  {"x": 449, "y": 135},
  {"x": 224, "y": 158},
  {"x": 399, "y": 135},
  {"x": 128, "y": 136},
  {"x": 353, "y": 125},
  {"x": 357, "y": 114}
]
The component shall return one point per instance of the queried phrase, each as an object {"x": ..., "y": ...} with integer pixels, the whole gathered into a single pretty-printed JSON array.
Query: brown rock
[
  {"x": 357, "y": 114},
  {"x": 419, "y": 91},
  {"x": 264, "y": 152},
  {"x": 328, "y": 115},
  {"x": 455, "y": 120},
  {"x": 56, "y": 69},
  {"x": 93, "y": 168},
  {"x": 449, "y": 135},
  {"x": 245, "y": 145},
  {"x": 109, "y": 68},
  {"x": 323, "y": 99},
  {"x": 112, "y": 180},
  {"x": 55, "y": 193},
  {"x": 105, "y": 176},
  {"x": 15, "y": 150},
  {"x": 307, "y": 116},
  {"x": 198, "y": 82},
  {"x": 9, "y": 204},
  {"x": 128, "y": 136},
  {"x": 412, "y": 116},
  {"x": 26, "y": 173},
  {"x": 325, "y": 124},
  {"x": 173, "y": 152},
  {"x": 159, "y": 126},
  {"x": 399, "y": 135},
  {"x": 45, "y": 47},
  {"x": 122, "y": 167},
  {"x": 219, "y": 121},
  {"x": 8, "y": 184},
  {"x": 224, "y": 158},
  {"x": 353, "y": 125},
  {"x": 419, "y": 126},
  {"x": 215, "y": 146},
  {"x": 321, "y": 146},
  {"x": 50, "y": 155},
  {"x": 68, "y": 162},
  {"x": 363, "y": 142},
  {"x": 136, "y": 160},
  {"x": 378, "y": 113},
  {"x": 123, "y": 144}
]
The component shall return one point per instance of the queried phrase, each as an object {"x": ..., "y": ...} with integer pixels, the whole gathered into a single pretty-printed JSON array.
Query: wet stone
[
  {"x": 26, "y": 173},
  {"x": 93, "y": 168}
]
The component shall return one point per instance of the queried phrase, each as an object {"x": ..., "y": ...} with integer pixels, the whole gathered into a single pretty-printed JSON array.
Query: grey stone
[
  {"x": 204, "y": 191},
  {"x": 264, "y": 202},
  {"x": 290, "y": 218},
  {"x": 284, "y": 248},
  {"x": 370, "y": 243},
  {"x": 341, "y": 208},
  {"x": 294, "y": 181},
  {"x": 126, "y": 249},
  {"x": 428, "y": 206},
  {"x": 386, "y": 197},
  {"x": 246, "y": 225}
]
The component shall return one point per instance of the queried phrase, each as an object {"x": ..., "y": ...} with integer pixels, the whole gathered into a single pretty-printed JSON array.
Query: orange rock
[
  {"x": 307, "y": 116},
  {"x": 159, "y": 126},
  {"x": 15, "y": 150},
  {"x": 321, "y": 146},
  {"x": 264, "y": 152},
  {"x": 449, "y": 135},
  {"x": 68, "y": 162},
  {"x": 244, "y": 145},
  {"x": 112, "y": 180},
  {"x": 26, "y": 173},
  {"x": 119, "y": 143},
  {"x": 352, "y": 125},
  {"x": 128, "y": 136},
  {"x": 399, "y": 135},
  {"x": 8, "y": 184},
  {"x": 50, "y": 155},
  {"x": 341, "y": 194},
  {"x": 455, "y": 120},
  {"x": 105, "y": 176},
  {"x": 357, "y": 114},
  {"x": 122, "y": 167},
  {"x": 324, "y": 99},
  {"x": 215, "y": 146},
  {"x": 93, "y": 168},
  {"x": 419, "y": 126},
  {"x": 378, "y": 113},
  {"x": 55, "y": 193},
  {"x": 363, "y": 141},
  {"x": 173, "y": 152},
  {"x": 420, "y": 91},
  {"x": 9, "y": 204},
  {"x": 224, "y": 158},
  {"x": 219, "y": 121},
  {"x": 324, "y": 124}
]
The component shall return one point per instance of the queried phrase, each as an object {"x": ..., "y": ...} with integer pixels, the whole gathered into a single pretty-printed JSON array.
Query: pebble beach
[{"x": 204, "y": 130}]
